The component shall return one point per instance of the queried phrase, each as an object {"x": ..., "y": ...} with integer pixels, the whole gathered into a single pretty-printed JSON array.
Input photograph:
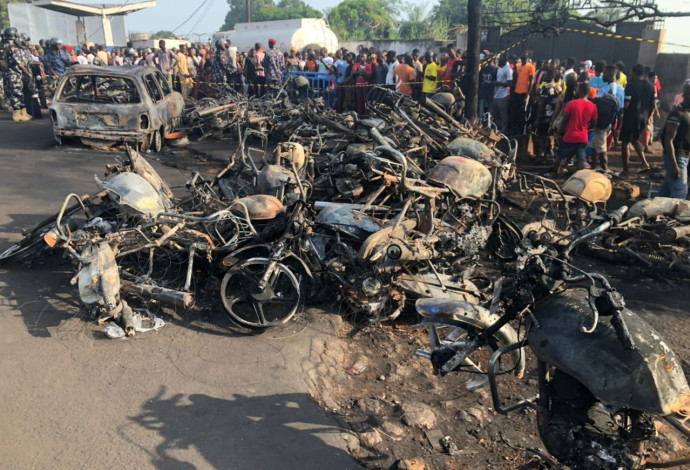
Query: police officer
[
  {"x": 222, "y": 68},
  {"x": 12, "y": 69},
  {"x": 36, "y": 69},
  {"x": 28, "y": 83},
  {"x": 130, "y": 57},
  {"x": 54, "y": 64}
]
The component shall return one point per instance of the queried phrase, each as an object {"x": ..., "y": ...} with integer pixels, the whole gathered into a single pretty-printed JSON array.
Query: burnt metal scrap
[
  {"x": 387, "y": 212},
  {"x": 382, "y": 210}
]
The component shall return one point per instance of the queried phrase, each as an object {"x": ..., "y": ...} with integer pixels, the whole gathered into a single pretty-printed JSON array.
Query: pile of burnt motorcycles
[{"x": 391, "y": 214}]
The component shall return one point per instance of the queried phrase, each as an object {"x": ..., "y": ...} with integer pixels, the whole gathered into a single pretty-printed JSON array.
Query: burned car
[{"x": 107, "y": 105}]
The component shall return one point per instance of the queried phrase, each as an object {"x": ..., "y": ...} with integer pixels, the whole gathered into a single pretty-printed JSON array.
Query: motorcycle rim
[{"x": 251, "y": 306}]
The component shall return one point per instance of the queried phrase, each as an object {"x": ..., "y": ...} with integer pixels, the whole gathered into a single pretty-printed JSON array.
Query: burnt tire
[
  {"x": 156, "y": 142},
  {"x": 33, "y": 245},
  {"x": 249, "y": 305}
]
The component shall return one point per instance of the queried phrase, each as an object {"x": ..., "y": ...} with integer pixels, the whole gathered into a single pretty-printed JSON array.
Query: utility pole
[
  {"x": 198, "y": 36},
  {"x": 248, "y": 6},
  {"x": 474, "y": 20}
]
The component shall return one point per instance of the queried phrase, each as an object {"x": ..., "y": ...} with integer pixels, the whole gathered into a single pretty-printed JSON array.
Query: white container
[{"x": 287, "y": 33}]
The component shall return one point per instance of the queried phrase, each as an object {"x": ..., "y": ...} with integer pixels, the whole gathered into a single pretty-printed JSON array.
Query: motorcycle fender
[
  {"x": 649, "y": 378},
  {"x": 462, "y": 314},
  {"x": 253, "y": 251},
  {"x": 264, "y": 251}
]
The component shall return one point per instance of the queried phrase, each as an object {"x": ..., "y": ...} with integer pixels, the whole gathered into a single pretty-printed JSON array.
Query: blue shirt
[
  {"x": 618, "y": 92},
  {"x": 342, "y": 66}
]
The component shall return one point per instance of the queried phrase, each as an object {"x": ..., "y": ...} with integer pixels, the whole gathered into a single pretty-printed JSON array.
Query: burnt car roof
[{"x": 110, "y": 70}]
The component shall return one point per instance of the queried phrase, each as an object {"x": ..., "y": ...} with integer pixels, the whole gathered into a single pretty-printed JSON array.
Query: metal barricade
[{"x": 320, "y": 84}]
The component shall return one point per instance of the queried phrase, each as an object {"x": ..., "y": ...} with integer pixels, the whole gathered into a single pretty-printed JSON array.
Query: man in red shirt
[
  {"x": 580, "y": 116},
  {"x": 452, "y": 59}
]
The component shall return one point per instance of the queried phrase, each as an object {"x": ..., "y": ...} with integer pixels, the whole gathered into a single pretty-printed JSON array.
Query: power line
[
  {"x": 201, "y": 17},
  {"x": 190, "y": 16}
]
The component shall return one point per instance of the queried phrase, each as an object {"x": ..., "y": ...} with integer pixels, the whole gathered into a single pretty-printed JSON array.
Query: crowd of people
[
  {"x": 580, "y": 110},
  {"x": 572, "y": 110}
]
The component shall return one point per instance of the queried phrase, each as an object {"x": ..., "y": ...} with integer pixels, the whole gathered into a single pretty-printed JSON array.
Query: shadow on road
[
  {"x": 41, "y": 295},
  {"x": 265, "y": 432}
]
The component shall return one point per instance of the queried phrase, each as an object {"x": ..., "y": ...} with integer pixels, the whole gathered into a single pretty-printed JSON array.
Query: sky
[{"x": 171, "y": 15}]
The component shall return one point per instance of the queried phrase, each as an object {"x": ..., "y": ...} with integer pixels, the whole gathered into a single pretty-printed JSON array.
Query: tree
[
  {"x": 416, "y": 22},
  {"x": 4, "y": 14},
  {"x": 267, "y": 10},
  {"x": 454, "y": 12},
  {"x": 164, "y": 35},
  {"x": 361, "y": 19}
]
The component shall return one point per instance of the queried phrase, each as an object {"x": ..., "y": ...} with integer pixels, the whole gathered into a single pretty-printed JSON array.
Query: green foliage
[
  {"x": 360, "y": 20},
  {"x": 4, "y": 15},
  {"x": 164, "y": 35},
  {"x": 454, "y": 12},
  {"x": 267, "y": 10},
  {"x": 419, "y": 24}
]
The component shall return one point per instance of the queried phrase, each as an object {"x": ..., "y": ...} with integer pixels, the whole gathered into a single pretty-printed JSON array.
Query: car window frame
[
  {"x": 161, "y": 82},
  {"x": 91, "y": 77},
  {"x": 156, "y": 84}
]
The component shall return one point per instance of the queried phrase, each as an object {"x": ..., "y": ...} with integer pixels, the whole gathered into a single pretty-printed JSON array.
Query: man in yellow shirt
[
  {"x": 429, "y": 84},
  {"x": 102, "y": 55},
  {"x": 622, "y": 77},
  {"x": 185, "y": 78}
]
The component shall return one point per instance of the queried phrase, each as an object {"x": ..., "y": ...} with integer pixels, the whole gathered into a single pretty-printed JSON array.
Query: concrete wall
[
  {"x": 583, "y": 46},
  {"x": 399, "y": 47}
]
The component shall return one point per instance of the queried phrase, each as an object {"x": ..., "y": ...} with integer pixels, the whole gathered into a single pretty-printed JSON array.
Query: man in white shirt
[
  {"x": 499, "y": 106},
  {"x": 569, "y": 67},
  {"x": 81, "y": 58},
  {"x": 392, "y": 61}
]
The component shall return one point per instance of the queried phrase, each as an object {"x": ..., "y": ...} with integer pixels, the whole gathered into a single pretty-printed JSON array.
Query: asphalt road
[{"x": 198, "y": 394}]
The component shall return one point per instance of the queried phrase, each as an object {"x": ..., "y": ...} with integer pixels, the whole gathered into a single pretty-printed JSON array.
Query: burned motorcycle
[
  {"x": 134, "y": 239},
  {"x": 604, "y": 374},
  {"x": 656, "y": 237}
]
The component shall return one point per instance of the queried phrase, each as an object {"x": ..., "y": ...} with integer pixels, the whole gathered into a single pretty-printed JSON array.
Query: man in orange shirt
[
  {"x": 525, "y": 76},
  {"x": 403, "y": 75}
]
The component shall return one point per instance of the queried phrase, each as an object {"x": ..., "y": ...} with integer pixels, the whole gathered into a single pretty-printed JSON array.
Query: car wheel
[{"x": 156, "y": 142}]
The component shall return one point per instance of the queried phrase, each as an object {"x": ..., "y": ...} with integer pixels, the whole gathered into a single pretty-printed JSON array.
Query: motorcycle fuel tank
[
  {"x": 347, "y": 218},
  {"x": 589, "y": 186},
  {"x": 466, "y": 147},
  {"x": 649, "y": 378},
  {"x": 259, "y": 206},
  {"x": 466, "y": 177}
]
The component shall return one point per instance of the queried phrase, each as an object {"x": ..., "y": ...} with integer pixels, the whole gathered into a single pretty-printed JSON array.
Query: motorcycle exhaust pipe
[
  {"x": 164, "y": 295},
  {"x": 674, "y": 233}
]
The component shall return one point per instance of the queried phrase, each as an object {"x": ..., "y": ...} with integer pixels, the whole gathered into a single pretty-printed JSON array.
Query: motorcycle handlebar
[{"x": 614, "y": 218}]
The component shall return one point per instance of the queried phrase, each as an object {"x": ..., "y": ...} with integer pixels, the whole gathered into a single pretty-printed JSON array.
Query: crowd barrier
[{"x": 320, "y": 84}]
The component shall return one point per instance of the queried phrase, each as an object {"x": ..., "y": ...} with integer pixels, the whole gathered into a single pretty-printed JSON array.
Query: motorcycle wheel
[
  {"x": 447, "y": 334},
  {"x": 251, "y": 306},
  {"x": 32, "y": 245}
]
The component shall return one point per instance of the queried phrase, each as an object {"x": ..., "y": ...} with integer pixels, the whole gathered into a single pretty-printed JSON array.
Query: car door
[
  {"x": 173, "y": 101},
  {"x": 160, "y": 115}
]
